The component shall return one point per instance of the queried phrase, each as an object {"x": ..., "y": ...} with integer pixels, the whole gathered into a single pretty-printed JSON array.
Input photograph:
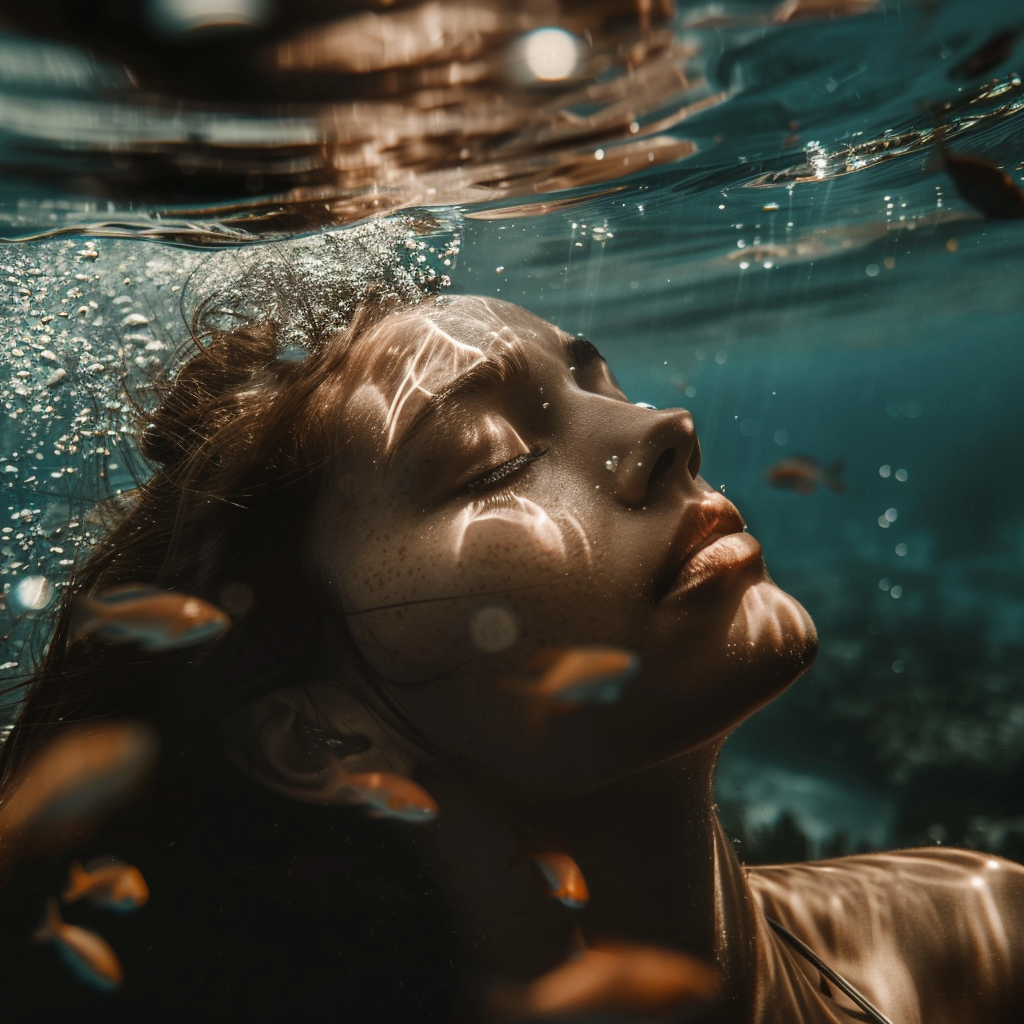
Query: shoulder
[{"x": 948, "y": 923}]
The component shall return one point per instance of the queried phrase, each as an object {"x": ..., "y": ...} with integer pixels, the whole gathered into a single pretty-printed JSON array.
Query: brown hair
[{"x": 239, "y": 440}]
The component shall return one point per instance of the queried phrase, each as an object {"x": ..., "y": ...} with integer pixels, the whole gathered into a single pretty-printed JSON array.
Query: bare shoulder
[{"x": 947, "y": 924}]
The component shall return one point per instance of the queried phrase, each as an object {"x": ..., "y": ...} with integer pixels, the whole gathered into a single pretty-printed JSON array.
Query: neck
[{"x": 657, "y": 864}]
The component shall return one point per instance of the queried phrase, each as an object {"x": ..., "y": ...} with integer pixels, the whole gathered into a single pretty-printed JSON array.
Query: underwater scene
[{"x": 798, "y": 220}]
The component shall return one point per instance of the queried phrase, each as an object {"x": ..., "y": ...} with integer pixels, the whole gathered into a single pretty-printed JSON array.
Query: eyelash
[{"x": 506, "y": 469}]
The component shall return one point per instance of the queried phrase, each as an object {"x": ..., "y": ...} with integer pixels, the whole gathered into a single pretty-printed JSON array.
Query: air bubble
[
  {"x": 901, "y": 475},
  {"x": 612, "y": 464},
  {"x": 891, "y": 515},
  {"x": 901, "y": 549},
  {"x": 30, "y": 594},
  {"x": 884, "y": 471}
]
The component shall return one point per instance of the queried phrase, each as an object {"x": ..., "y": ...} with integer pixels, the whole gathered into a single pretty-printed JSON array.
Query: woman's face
[{"x": 497, "y": 497}]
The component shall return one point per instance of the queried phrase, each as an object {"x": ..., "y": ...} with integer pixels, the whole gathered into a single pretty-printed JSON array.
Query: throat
[{"x": 658, "y": 867}]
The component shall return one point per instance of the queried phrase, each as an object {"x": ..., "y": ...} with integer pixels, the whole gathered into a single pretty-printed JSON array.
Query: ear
[{"x": 304, "y": 742}]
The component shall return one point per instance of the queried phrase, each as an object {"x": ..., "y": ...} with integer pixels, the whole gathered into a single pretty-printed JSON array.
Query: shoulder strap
[{"x": 874, "y": 1014}]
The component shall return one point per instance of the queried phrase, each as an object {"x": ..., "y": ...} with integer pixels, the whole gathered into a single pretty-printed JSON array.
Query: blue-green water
[{"x": 805, "y": 281}]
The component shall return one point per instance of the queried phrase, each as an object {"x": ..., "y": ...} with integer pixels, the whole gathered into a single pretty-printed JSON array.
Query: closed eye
[{"x": 495, "y": 476}]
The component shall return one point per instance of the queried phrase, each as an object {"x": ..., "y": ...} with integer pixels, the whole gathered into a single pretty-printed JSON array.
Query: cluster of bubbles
[{"x": 90, "y": 330}]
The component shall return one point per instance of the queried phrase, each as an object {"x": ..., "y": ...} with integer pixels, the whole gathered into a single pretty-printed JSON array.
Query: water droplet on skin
[
  {"x": 612, "y": 464},
  {"x": 646, "y": 405},
  {"x": 545, "y": 405},
  {"x": 722, "y": 488}
]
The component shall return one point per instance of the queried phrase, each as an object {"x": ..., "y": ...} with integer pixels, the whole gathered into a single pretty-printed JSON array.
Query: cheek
[
  {"x": 493, "y": 573},
  {"x": 512, "y": 536}
]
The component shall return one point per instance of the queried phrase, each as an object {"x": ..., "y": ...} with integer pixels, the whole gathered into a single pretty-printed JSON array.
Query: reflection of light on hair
[
  {"x": 430, "y": 358},
  {"x": 178, "y": 16},
  {"x": 493, "y": 629},
  {"x": 550, "y": 54}
]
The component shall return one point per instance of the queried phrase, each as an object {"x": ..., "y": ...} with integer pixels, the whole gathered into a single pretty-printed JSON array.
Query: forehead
[{"x": 410, "y": 357}]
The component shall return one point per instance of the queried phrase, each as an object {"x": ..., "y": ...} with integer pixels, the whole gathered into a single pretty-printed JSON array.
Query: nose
[{"x": 664, "y": 448}]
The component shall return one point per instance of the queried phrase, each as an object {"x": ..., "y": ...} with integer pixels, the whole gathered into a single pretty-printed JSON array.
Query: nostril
[{"x": 661, "y": 465}]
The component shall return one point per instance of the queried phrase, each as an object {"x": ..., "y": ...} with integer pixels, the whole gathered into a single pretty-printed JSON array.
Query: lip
[{"x": 709, "y": 542}]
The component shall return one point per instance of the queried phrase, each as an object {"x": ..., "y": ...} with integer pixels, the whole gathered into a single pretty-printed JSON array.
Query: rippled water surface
[{"x": 752, "y": 219}]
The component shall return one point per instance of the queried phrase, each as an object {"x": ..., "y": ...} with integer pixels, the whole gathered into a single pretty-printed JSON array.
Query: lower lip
[{"x": 727, "y": 553}]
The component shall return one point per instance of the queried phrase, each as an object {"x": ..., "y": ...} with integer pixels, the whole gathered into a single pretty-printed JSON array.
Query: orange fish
[
  {"x": 802, "y": 474},
  {"x": 560, "y": 875},
  {"x": 109, "y": 883},
  {"x": 391, "y": 796},
  {"x": 157, "y": 620},
  {"x": 586, "y": 675},
  {"x": 73, "y": 784},
  {"x": 86, "y": 953},
  {"x": 630, "y": 979}
]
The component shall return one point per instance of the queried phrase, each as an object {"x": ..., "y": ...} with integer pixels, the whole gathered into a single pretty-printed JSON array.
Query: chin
[{"x": 772, "y": 635}]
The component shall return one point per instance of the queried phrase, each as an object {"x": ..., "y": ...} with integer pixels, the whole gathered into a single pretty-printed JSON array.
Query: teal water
[{"x": 806, "y": 282}]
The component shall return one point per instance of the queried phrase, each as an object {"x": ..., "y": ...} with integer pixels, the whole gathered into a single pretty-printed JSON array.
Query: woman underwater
[{"x": 409, "y": 527}]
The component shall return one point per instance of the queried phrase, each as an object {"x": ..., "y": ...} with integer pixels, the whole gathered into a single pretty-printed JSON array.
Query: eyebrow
[{"x": 505, "y": 368}]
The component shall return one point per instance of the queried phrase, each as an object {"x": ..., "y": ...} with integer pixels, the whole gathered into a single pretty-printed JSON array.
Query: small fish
[
  {"x": 802, "y": 474},
  {"x": 391, "y": 796},
  {"x": 990, "y": 190},
  {"x": 157, "y": 620},
  {"x": 627, "y": 979},
  {"x": 86, "y": 953},
  {"x": 111, "y": 884},
  {"x": 586, "y": 675},
  {"x": 988, "y": 56},
  {"x": 66, "y": 792},
  {"x": 560, "y": 875}
]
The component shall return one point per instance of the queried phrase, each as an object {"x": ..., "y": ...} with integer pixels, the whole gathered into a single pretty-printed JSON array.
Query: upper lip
[{"x": 702, "y": 523}]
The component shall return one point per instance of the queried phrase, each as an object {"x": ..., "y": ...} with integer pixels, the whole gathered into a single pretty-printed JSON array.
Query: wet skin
[
  {"x": 495, "y": 494},
  {"x": 457, "y": 496}
]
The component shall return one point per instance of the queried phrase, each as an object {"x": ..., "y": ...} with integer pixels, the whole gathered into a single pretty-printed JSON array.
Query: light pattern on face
[
  {"x": 439, "y": 357},
  {"x": 479, "y": 525}
]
